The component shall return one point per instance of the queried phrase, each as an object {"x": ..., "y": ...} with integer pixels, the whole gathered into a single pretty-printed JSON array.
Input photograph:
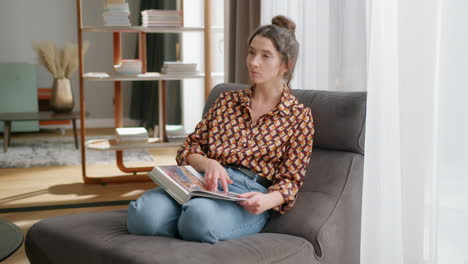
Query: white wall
[{"x": 25, "y": 21}]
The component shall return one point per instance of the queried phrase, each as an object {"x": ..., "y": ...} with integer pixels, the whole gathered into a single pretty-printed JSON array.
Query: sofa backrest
[
  {"x": 338, "y": 116},
  {"x": 328, "y": 208}
]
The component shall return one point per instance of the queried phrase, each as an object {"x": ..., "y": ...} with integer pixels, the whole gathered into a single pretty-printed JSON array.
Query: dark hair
[{"x": 281, "y": 33}]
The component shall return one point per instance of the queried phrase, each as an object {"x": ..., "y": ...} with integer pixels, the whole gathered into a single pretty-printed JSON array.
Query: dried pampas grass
[{"x": 61, "y": 63}]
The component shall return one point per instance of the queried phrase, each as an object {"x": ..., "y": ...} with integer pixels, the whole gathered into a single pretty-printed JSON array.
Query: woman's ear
[{"x": 285, "y": 67}]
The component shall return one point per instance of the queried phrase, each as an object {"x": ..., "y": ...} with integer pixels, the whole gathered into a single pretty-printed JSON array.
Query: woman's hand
[
  {"x": 212, "y": 169},
  {"x": 214, "y": 172},
  {"x": 258, "y": 202}
]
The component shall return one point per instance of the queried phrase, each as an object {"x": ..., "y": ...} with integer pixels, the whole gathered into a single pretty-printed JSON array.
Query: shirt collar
[{"x": 284, "y": 106}]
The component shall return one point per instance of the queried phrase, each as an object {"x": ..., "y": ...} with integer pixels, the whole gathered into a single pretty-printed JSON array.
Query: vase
[{"x": 61, "y": 100}]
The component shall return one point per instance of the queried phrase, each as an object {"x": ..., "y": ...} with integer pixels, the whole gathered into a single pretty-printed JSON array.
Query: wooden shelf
[
  {"x": 111, "y": 144},
  {"x": 106, "y": 144},
  {"x": 147, "y": 29},
  {"x": 149, "y": 76}
]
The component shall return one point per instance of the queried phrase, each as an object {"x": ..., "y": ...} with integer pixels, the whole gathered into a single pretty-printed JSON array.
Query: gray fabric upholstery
[
  {"x": 103, "y": 238},
  {"x": 323, "y": 226},
  {"x": 330, "y": 176}
]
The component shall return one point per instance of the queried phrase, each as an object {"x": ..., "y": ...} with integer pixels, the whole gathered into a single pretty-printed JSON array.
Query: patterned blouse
[{"x": 277, "y": 147}]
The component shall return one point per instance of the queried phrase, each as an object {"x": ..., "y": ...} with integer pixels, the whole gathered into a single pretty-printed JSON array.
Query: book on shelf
[
  {"x": 180, "y": 74},
  {"x": 116, "y": 13},
  {"x": 161, "y": 12},
  {"x": 161, "y": 18},
  {"x": 176, "y": 133},
  {"x": 179, "y": 68},
  {"x": 180, "y": 64},
  {"x": 131, "y": 134},
  {"x": 158, "y": 24},
  {"x": 116, "y": 23},
  {"x": 120, "y": 9},
  {"x": 184, "y": 183}
]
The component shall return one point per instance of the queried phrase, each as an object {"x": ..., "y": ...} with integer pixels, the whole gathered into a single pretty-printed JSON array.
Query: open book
[{"x": 184, "y": 182}]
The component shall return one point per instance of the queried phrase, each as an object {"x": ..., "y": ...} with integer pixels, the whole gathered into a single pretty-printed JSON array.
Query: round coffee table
[{"x": 10, "y": 240}]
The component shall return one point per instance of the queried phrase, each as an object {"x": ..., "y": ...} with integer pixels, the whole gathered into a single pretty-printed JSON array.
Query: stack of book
[
  {"x": 131, "y": 135},
  {"x": 161, "y": 18},
  {"x": 179, "y": 68},
  {"x": 176, "y": 133},
  {"x": 116, "y": 13}
]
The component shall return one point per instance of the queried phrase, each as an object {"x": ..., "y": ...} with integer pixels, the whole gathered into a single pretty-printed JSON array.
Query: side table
[
  {"x": 7, "y": 118},
  {"x": 11, "y": 238}
]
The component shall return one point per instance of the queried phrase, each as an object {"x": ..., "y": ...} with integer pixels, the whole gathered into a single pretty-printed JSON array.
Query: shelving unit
[
  {"x": 111, "y": 145},
  {"x": 148, "y": 30},
  {"x": 149, "y": 76}
]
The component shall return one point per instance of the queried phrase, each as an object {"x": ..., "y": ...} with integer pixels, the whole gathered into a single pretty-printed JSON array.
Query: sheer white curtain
[
  {"x": 416, "y": 169},
  {"x": 398, "y": 194},
  {"x": 415, "y": 146},
  {"x": 332, "y": 41},
  {"x": 452, "y": 138}
]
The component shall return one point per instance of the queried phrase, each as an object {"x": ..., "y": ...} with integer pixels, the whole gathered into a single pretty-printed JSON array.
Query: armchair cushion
[
  {"x": 330, "y": 176},
  {"x": 103, "y": 238}
]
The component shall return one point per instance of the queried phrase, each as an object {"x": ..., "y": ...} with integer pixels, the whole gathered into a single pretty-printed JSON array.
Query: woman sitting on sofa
[{"x": 256, "y": 142}]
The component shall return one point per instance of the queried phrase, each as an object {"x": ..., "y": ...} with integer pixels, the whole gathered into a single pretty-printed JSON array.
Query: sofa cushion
[
  {"x": 329, "y": 175},
  {"x": 339, "y": 117},
  {"x": 103, "y": 238}
]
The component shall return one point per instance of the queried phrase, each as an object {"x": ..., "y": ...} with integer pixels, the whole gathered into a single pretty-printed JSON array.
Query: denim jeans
[{"x": 155, "y": 213}]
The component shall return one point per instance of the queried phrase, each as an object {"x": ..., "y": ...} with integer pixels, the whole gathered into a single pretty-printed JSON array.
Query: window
[{"x": 193, "y": 51}]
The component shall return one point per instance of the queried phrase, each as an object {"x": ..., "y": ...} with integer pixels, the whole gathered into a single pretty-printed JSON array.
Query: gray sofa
[{"x": 323, "y": 226}]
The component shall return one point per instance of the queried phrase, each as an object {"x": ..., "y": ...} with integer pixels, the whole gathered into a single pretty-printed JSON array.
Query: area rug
[{"x": 42, "y": 152}]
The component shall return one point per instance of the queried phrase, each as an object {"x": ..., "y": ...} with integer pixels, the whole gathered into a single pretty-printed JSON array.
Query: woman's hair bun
[{"x": 282, "y": 21}]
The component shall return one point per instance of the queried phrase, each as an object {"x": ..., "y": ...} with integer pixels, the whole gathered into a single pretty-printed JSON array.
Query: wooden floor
[{"x": 51, "y": 187}]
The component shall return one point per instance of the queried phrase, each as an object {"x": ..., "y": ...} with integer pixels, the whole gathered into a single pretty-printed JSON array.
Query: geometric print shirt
[{"x": 277, "y": 147}]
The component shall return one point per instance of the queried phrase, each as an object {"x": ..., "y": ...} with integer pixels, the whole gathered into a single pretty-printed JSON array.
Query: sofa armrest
[
  {"x": 328, "y": 209},
  {"x": 340, "y": 236}
]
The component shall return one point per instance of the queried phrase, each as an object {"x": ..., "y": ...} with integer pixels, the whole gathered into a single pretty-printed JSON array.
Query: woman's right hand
[{"x": 215, "y": 172}]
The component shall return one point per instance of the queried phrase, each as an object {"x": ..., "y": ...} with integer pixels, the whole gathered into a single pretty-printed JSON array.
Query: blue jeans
[{"x": 155, "y": 213}]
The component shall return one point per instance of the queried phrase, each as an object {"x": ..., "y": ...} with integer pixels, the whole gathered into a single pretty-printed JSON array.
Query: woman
[{"x": 256, "y": 142}]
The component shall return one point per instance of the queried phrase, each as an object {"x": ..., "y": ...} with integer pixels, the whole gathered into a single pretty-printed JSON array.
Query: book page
[
  {"x": 230, "y": 196},
  {"x": 185, "y": 177},
  {"x": 191, "y": 180}
]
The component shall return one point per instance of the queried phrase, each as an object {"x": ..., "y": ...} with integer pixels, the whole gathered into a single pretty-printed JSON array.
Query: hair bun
[{"x": 282, "y": 21}]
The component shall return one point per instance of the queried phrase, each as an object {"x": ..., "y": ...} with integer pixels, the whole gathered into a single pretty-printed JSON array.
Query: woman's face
[{"x": 264, "y": 61}]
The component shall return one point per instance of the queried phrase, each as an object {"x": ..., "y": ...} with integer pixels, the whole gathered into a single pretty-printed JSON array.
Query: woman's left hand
[{"x": 258, "y": 202}]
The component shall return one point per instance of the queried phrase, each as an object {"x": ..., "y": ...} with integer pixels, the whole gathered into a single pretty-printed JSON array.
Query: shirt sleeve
[
  {"x": 197, "y": 142},
  {"x": 292, "y": 170}
]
